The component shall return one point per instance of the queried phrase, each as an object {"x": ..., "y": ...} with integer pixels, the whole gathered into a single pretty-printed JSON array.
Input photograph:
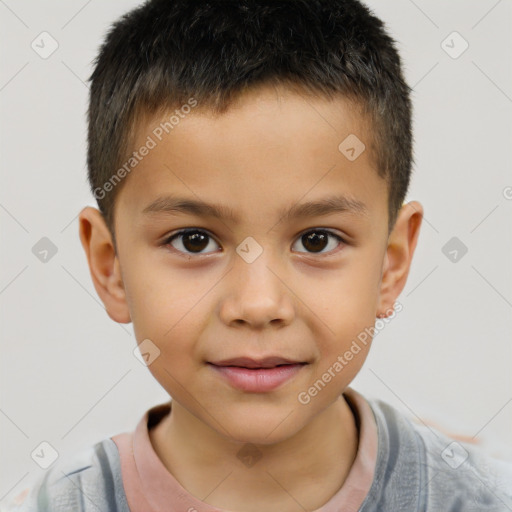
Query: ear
[
  {"x": 397, "y": 262},
  {"x": 103, "y": 264}
]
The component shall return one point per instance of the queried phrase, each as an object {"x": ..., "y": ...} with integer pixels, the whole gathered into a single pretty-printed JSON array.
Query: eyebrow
[{"x": 173, "y": 205}]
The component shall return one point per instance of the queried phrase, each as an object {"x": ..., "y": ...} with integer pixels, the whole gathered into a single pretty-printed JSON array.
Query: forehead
[{"x": 272, "y": 148}]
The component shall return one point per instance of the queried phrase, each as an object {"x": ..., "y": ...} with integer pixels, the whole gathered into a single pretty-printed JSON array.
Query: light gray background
[{"x": 68, "y": 373}]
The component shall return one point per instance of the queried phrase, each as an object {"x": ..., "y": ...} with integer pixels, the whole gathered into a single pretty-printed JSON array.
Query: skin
[{"x": 273, "y": 149}]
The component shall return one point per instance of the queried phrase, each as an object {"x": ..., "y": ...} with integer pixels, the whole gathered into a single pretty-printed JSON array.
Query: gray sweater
[{"x": 417, "y": 469}]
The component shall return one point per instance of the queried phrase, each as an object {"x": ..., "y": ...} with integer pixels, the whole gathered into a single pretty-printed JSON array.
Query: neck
[{"x": 212, "y": 468}]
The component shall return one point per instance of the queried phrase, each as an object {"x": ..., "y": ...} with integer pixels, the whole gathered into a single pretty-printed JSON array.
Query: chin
[
  {"x": 259, "y": 428},
  {"x": 259, "y": 437}
]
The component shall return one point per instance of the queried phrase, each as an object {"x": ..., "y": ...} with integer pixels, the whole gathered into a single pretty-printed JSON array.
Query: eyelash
[{"x": 183, "y": 232}]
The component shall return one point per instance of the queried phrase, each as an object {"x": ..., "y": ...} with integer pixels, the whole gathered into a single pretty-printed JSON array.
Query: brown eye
[
  {"x": 315, "y": 241},
  {"x": 192, "y": 241}
]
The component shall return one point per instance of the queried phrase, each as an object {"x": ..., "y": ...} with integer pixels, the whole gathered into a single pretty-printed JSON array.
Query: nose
[{"x": 254, "y": 294}]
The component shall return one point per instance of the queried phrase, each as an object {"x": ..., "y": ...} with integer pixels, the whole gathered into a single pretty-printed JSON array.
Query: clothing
[
  {"x": 149, "y": 486},
  {"x": 400, "y": 466}
]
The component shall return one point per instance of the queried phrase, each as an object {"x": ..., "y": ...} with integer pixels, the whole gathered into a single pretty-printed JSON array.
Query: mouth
[
  {"x": 250, "y": 363},
  {"x": 257, "y": 376}
]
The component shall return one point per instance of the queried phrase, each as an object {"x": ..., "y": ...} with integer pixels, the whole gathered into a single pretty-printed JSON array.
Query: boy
[{"x": 250, "y": 160}]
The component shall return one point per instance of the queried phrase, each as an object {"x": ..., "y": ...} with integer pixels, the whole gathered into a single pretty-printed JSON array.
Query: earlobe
[
  {"x": 400, "y": 250},
  {"x": 103, "y": 263}
]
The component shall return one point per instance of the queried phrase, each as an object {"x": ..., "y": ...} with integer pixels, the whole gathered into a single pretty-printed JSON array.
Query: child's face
[{"x": 206, "y": 299}]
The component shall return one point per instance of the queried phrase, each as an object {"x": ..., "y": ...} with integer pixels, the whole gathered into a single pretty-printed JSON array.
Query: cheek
[
  {"x": 165, "y": 307},
  {"x": 346, "y": 306},
  {"x": 162, "y": 299},
  {"x": 347, "y": 300}
]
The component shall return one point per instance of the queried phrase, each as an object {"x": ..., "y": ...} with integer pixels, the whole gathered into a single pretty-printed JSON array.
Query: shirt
[{"x": 400, "y": 465}]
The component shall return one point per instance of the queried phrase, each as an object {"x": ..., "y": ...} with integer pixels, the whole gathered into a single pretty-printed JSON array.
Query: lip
[
  {"x": 249, "y": 362},
  {"x": 258, "y": 380}
]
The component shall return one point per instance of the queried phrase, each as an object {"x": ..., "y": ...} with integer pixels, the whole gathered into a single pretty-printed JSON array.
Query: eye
[
  {"x": 193, "y": 240},
  {"x": 316, "y": 240}
]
